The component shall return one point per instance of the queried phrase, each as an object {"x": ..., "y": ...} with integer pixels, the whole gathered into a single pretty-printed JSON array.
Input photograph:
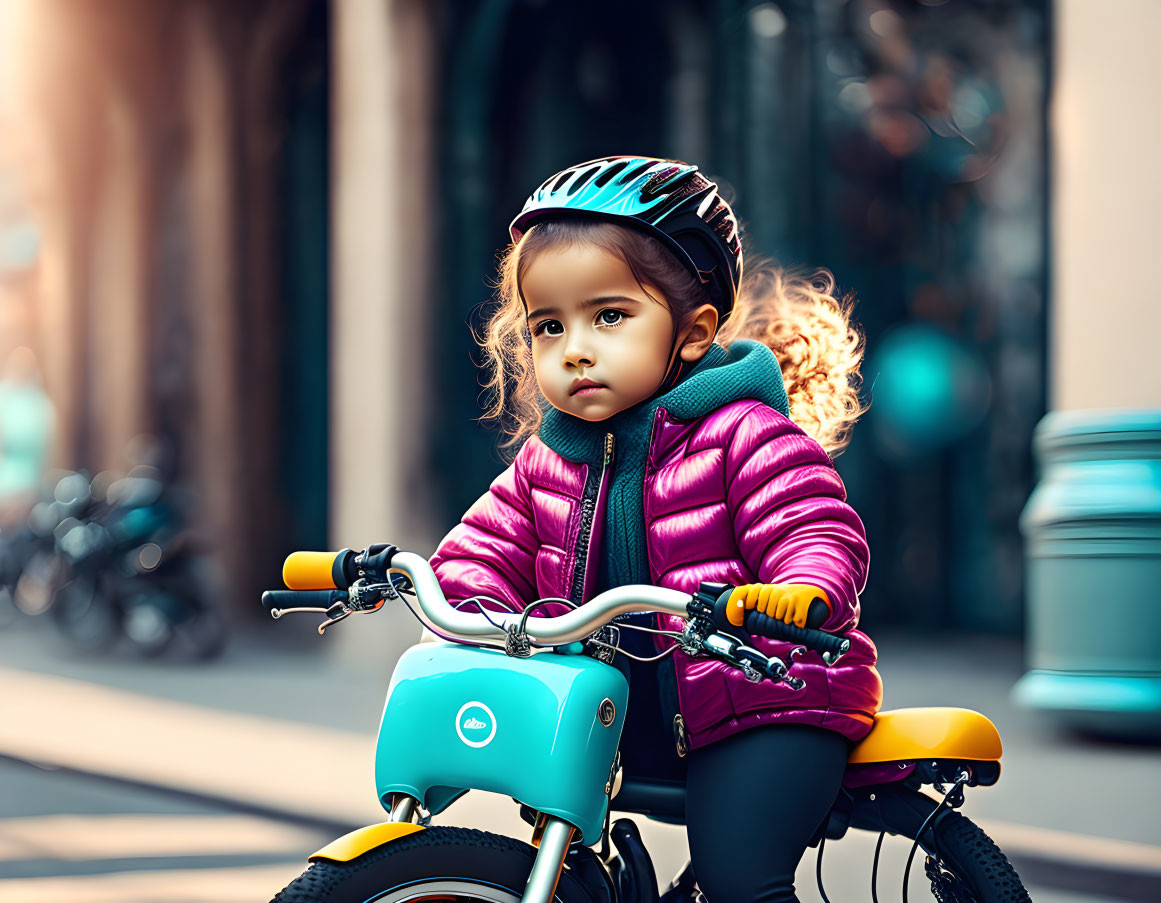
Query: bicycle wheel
[
  {"x": 437, "y": 865},
  {"x": 962, "y": 864},
  {"x": 85, "y": 614},
  {"x": 965, "y": 866}
]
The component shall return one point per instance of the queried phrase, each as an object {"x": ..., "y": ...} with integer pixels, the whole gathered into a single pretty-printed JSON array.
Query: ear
[{"x": 698, "y": 334}]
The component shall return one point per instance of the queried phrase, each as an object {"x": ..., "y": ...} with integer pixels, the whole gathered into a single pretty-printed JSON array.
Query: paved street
[
  {"x": 250, "y": 746},
  {"x": 65, "y": 837}
]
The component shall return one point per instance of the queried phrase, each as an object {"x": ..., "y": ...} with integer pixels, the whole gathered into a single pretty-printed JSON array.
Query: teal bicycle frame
[{"x": 543, "y": 730}]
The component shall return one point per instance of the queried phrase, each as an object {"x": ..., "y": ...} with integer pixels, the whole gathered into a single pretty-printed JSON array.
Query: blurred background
[
  {"x": 205, "y": 205},
  {"x": 243, "y": 244}
]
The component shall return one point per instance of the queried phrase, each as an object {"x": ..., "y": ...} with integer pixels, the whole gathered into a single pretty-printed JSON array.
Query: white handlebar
[{"x": 438, "y": 615}]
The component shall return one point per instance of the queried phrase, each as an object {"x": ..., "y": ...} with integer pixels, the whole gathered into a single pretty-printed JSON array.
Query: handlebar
[
  {"x": 339, "y": 584},
  {"x": 283, "y": 600},
  {"x": 831, "y": 646}
]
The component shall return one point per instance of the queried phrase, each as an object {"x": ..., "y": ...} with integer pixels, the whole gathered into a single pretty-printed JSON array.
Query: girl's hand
[{"x": 787, "y": 602}]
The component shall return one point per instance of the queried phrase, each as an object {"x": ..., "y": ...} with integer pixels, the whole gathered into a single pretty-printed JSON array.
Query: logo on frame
[{"x": 475, "y": 724}]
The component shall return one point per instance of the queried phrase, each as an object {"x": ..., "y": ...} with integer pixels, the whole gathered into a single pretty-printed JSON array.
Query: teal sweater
[{"x": 747, "y": 370}]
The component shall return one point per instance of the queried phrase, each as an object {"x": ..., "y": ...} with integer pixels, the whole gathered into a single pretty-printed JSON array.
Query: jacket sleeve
[
  {"x": 492, "y": 551},
  {"x": 788, "y": 507}
]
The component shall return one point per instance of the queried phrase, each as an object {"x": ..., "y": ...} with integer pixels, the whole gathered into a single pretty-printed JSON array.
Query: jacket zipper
[
  {"x": 680, "y": 737},
  {"x": 592, "y": 491},
  {"x": 680, "y": 732}
]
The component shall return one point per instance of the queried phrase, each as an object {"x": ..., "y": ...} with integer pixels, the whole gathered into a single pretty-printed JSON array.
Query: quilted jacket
[{"x": 738, "y": 494}]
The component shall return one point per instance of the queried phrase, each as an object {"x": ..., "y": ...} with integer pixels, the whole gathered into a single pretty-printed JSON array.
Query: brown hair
[{"x": 796, "y": 314}]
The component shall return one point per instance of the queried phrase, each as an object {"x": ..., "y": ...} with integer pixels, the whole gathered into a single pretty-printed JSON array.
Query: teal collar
[{"x": 746, "y": 370}]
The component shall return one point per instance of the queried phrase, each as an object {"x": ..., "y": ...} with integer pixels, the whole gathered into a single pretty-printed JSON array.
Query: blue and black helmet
[{"x": 668, "y": 200}]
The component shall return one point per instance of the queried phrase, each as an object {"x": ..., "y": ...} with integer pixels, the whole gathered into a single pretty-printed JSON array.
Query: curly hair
[{"x": 795, "y": 313}]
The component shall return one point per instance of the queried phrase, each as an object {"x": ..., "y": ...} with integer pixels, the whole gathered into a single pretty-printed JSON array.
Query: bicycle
[
  {"x": 533, "y": 708},
  {"x": 125, "y": 569}
]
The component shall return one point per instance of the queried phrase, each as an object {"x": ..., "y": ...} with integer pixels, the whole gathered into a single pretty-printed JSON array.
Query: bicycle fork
[{"x": 551, "y": 838}]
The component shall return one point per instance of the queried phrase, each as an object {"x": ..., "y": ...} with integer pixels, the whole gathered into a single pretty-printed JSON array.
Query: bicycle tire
[
  {"x": 84, "y": 614},
  {"x": 456, "y": 864},
  {"x": 970, "y": 867}
]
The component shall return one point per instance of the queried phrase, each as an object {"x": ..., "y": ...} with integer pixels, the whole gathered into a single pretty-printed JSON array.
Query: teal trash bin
[{"x": 1092, "y": 531}]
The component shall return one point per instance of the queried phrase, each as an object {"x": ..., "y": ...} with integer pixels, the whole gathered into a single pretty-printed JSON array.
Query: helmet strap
[{"x": 675, "y": 372}]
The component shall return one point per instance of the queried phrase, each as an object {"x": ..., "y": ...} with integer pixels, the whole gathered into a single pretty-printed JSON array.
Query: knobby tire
[
  {"x": 981, "y": 872},
  {"x": 442, "y": 854}
]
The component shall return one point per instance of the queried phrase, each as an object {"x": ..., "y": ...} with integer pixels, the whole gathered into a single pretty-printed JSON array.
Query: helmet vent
[
  {"x": 581, "y": 179},
  {"x": 636, "y": 171},
  {"x": 605, "y": 177},
  {"x": 564, "y": 177},
  {"x": 658, "y": 181}
]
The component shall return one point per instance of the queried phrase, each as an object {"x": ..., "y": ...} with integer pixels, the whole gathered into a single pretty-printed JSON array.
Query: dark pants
[
  {"x": 752, "y": 803},
  {"x": 753, "y": 800}
]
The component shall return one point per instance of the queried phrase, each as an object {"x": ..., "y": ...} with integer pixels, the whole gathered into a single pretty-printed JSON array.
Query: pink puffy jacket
[{"x": 740, "y": 495}]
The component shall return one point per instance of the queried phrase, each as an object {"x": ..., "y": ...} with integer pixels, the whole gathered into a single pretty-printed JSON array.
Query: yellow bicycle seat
[{"x": 905, "y": 735}]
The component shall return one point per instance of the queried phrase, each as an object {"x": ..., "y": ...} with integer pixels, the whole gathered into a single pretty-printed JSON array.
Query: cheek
[
  {"x": 654, "y": 347},
  {"x": 645, "y": 360},
  {"x": 541, "y": 370},
  {"x": 537, "y": 363}
]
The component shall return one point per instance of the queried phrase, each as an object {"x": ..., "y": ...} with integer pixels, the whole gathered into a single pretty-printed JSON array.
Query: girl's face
[{"x": 600, "y": 343}]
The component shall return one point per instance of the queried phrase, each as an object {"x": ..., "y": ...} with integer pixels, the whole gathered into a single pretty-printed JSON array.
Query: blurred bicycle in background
[{"x": 112, "y": 563}]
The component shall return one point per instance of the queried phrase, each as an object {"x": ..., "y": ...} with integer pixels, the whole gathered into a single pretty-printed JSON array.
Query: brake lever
[
  {"x": 277, "y": 613},
  {"x": 754, "y": 664},
  {"x": 362, "y": 598},
  {"x": 334, "y": 617},
  {"x": 359, "y": 598},
  {"x": 335, "y": 613}
]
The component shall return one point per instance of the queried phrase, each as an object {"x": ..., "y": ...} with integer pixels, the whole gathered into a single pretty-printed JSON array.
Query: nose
[{"x": 576, "y": 356}]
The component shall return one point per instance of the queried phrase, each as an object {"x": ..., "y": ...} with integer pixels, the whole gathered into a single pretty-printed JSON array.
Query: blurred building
[
  {"x": 174, "y": 158},
  {"x": 267, "y": 226}
]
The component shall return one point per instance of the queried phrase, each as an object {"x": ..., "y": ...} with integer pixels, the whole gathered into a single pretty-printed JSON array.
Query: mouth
[{"x": 584, "y": 387}]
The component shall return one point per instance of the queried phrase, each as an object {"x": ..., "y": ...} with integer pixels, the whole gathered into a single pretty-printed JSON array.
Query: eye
[
  {"x": 548, "y": 328},
  {"x": 610, "y": 317}
]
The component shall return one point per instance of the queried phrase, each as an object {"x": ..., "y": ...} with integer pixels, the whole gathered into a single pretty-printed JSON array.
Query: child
[{"x": 658, "y": 444}]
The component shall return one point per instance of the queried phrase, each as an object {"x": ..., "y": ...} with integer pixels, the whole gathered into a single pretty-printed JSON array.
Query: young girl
[{"x": 659, "y": 444}]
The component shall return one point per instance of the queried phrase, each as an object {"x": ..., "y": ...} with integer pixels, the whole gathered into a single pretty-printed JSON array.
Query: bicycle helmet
[{"x": 666, "y": 199}]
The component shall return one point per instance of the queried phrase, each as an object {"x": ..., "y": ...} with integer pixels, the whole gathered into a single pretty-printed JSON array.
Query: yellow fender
[
  {"x": 355, "y": 844},
  {"x": 905, "y": 735}
]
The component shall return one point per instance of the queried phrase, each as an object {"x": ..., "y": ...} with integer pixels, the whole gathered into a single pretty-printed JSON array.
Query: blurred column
[
  {"x": 381, "y": 133},
  {"x": 124, "y": 251},
  {"x": 57, "y": 91},
  {"x": 1106, "y": 191},
  {"x": 61, "y": 320},
  {"x": 381, "y": 127},
  {"x": 263, "y": 96},
  {"x": 217, "y": 338},
  {"x": 1093, "y": 524}
]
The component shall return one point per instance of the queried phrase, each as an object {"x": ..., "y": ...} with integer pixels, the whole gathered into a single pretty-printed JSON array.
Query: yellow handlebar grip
[{"x": 309, "y": 570}]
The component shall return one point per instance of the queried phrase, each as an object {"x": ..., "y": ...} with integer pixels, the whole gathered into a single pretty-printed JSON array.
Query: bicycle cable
[
  {"x": 875, "y": 869},
  {"x": 476, "y": 600},
  {"x": 923, "y": 827},
  {"x": 818, "y": 869},
  {"x": 630, "y": 626},
  {"x": 442, "y": 636},
  {"x": 528, "y": 609},
  {"x": 624, "y": 625},
  {"x": 635, "y": 658}
]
